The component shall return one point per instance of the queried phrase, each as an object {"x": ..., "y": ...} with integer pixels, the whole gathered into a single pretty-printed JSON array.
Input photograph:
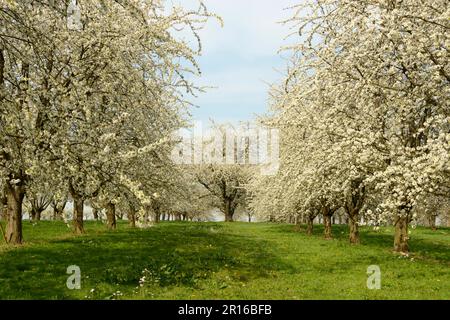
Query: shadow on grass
[
  {"x": 424, "y": 243},
  {"x": 173, "y": 253}
]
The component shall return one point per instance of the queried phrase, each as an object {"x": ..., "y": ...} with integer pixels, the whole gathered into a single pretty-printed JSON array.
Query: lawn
[{"x": 221, "y": 261}]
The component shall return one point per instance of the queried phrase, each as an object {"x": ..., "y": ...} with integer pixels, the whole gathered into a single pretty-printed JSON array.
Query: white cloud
[{"x": 239, "y": 57}]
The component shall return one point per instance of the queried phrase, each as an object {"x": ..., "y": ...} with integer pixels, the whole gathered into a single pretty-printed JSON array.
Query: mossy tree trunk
[
  {"x": 95, "y": 213},
  {"x": 229, "y": 210},
  {"x": 310, "y": 225},
  {"x": 132, "y": 217},
  {"x": 432, "y": 222},
  {"x": 327, "y": 214},
  {"x": 3, "y": 206},
  {"x": 111, "y": 216},
  {"x": 401, "y": 236},
  {"x": 15, "y": 195},
  {"x": 353, "y": 204},
  {"x": 78, "y": 210}
]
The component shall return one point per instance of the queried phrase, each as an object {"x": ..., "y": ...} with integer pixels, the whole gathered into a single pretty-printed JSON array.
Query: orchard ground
[{"x": 222, "y": 261}]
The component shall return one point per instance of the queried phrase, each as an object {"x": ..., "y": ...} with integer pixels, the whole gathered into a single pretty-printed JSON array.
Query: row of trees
[
  {"x": 364, "y": 116},
  {"x": 90, "y": 95},
  {"x": 92, "y": 91}
]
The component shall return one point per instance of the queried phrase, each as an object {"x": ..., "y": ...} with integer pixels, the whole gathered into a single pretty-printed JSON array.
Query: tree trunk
[
  {"x": 95, "y": 213},
  {"x": 163, "y": 218},
  {"x": 111, "y": 216},
  {"x": 78, "y": 210},
  {"x": 2, "y": 69},
  {"x": 146, "y": 216},
  {"x": 432, "y": 222},
  {"x": 55, "y": 214},
  {"x": 78, "y": 214},
  {"x": 33, "y": 215},
  {"x": 156, "y": 216},
  {"x": 327, "y": 215},
  {"x": 3, "y": 207},
  {"x": 228, "y": 217},
  {"x": 58, "y": 210},
  {"x": 327, "y": 227},
  {"x": 249, "y": 218},
  {"x": 310, "y": 226},
  {"x": 353, "y": 230},
  {"x": 15, "y": 195},
  {"x": 132, "y": 218},
  {"x": 401, "y": 235},
  {"x": 229, "y": 212},
  {"x": 58, "y": 214}
]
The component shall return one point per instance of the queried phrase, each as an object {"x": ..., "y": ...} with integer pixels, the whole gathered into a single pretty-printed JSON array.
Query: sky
[{"x": 241, "y": 58}]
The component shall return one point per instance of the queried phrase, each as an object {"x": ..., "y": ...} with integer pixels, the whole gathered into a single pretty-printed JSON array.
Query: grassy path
[{"x": 221, "y": 261}]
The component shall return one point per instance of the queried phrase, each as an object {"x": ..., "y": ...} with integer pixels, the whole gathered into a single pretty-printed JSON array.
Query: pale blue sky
[{"x": 240, "y": 57}]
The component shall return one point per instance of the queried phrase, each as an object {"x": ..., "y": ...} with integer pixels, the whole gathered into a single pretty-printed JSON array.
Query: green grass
[{"x": 222, "y": 261}]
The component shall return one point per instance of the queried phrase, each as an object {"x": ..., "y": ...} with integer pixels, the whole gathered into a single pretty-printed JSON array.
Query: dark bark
[
  {"x": 15, "y": 195},
  {"x": 228, "y": 217},
  {"x": 2, "y": 69},
  {"x": 78, "y": 211},
  {"x": 327, "y": 215},
  {"x": 146, "y": 216},
  {"x": 3, "y": 206},
  {"x": 327, "y": 227},
  {"x": 353, "y": 205},
  {"x": 111, "y": 216},
  {"x": 156, "y": 211},
  {"x": 156, "y": 216},
  {"x": 35, "y": 214},
  {"x": 353, "y": 224},
  {"x": 353, "y": 230},
  {"x": 310, "y": 226},
  {"x": 57, "y": 214},
  {"x": 38, "y": 203},
  {"x": 58, "y": 209},
  {"x": 78, "y": 215},
  {"x": 95, "y": 213},
  {"x": 132, "y": 217},
  {"x": 401, "y": 235},
  {"x": 229, "y": 211},
  {"x": 432, "y": 222}
]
